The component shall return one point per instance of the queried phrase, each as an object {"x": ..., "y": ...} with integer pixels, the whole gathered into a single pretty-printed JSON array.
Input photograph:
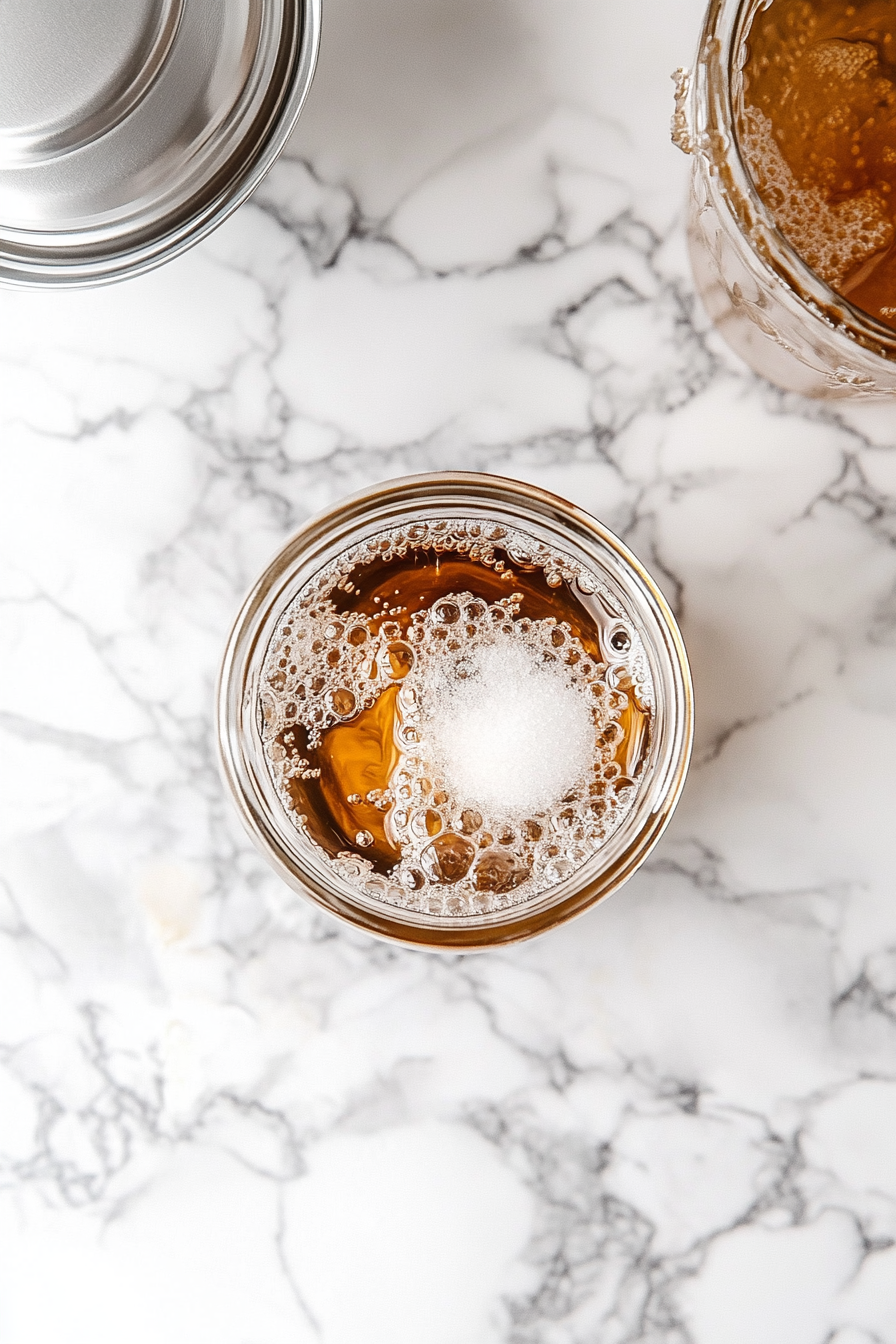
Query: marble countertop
[{"x": 224, "y": 1119}]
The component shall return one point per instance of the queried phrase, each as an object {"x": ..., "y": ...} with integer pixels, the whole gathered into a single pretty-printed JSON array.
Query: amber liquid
[
  {"x": 819, "y": 134},
  {"x": 356, "y": 759}
]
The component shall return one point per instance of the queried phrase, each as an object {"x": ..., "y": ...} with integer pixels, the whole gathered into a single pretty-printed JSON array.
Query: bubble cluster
[
  {"x": 531, "y": 809},
  {"x": 322, "y": 669},
  {"x": 463, "y": 849},
  {"x": 485, "y": 543},
  {"x": 817, "y": 124},
  {"x": 833, "y": 238}
]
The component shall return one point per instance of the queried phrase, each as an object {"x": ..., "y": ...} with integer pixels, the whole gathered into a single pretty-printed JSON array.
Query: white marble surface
[{"x": 225, "y": 1120}]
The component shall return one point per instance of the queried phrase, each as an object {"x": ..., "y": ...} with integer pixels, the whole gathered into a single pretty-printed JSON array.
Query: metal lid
[{"x": 130, "y": 128}]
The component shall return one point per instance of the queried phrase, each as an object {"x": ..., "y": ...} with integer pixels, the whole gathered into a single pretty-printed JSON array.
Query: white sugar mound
[{"x": 513, "y": 737}]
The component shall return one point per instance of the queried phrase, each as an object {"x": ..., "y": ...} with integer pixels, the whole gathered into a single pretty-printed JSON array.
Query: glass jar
[
  {"x": 476, "y": 505},
  {"x": 772, "y": 309}
]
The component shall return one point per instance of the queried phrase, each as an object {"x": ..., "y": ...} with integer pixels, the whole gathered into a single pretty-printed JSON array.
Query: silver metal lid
[{"x": 131, "y": 128}]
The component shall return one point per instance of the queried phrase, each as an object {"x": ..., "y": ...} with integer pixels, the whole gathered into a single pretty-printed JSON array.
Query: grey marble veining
[{"x": 223, "y": 1118}]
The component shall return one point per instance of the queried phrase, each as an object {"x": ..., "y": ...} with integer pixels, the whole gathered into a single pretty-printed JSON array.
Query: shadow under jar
[
  {"x": 455, "y": 711},
  {"x": 748, "y": 230}
]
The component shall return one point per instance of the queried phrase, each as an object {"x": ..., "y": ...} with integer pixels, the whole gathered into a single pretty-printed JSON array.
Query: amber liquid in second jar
[{"x": 818, "y": 131}]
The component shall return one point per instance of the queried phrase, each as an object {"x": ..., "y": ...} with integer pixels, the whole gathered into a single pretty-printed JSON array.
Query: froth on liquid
[
  {"x": 456, "y": 716},
  {"x": 818, "y": 131}
]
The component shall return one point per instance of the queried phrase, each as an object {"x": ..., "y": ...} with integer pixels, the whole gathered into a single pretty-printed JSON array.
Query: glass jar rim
[
  {"x": 713, "y": 117},
  {"x": 450, "y": 495}
]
